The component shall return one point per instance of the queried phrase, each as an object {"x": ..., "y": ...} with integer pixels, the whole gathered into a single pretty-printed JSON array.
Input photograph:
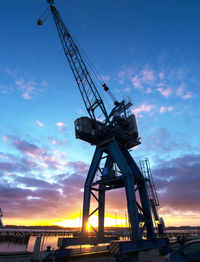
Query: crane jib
[{"x": 88, "y": 90}]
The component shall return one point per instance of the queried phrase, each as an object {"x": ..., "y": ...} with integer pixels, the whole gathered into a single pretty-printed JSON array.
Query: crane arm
[{"x": 88, "y": 90}]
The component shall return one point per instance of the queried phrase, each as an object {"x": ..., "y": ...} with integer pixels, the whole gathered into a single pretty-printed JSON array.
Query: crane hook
[{"x": 39, "y": 21}]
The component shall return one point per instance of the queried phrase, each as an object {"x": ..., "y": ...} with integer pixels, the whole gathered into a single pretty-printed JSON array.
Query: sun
[{"x": 88, "y": 226}]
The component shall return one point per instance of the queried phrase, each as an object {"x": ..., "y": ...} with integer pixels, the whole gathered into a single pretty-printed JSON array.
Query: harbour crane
[{"x": 113, "y": 135}]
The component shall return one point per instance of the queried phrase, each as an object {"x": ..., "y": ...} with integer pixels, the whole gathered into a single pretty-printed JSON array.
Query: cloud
[
  {"x": 126, "y": 73},
  {"x": 28, "y": 88},
  {"x": 5, "y": 139},
  {"x": 39, "y": 123},
  {"x": 13, "y": 164},
  {"x": 161, "y": 142},
  {"x": 5, "y": 89},
  {"x": 137, "y": 82},
  {"x": 26, "y": 191},
  {"x": 165, "y": 108},
  {"x": 79, "y": 166},
  {"x": 147, "y": 76},
  {"x": 161, "y": 75},
  {"x": 57, "y": 141},
  {"x": 148, "y": 90},
  {"x": 180, "y": 90},
  {"x": 41, "y": 155},
  {"x": 27, "y": 148},
  {"x": 106, "y": 78},
  {"x": 177, "y": 181},
  {"x": 29, "y": 197},
  {"x": 187, "y": 95},
  {"x": 53, "y": 141},
  {"x": 143, "y": 108},
  {"x": 165, "y": 92},
  {"x": 144, "y": 77},
  {"x": 61, "y": 126}
]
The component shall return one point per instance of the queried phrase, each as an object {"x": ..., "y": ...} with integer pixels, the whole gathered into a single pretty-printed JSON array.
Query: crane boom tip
[{"x": 51, "y": 2}]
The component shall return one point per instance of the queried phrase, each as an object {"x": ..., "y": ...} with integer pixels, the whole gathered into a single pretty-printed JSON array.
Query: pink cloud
[
  {"x": 27, "y": 88},
  {"x": 165, "y": 108},
  {"x": 26, "y": 96},
  {"x": 184, "y": 172},
  {"x": 161, "y": 75},
  {"x": 126, "y": 73},
  {"x": 5, "y": 138},
  {"x": 143, "y": 108},
  {"x": 148, "y": 75},
  {"x": 187, "y": 95},
  {"x": 165, "y": 92},
  {"x": 54, "y": 142},
  {"x": 61, "y": 126},
  {"x": 27, "y": 148},
  {"x": 148, "y": 90},
  {"x": 44, "y": 158},
  {"x": 180, "y": 90},
  {"x": 20, "y": 81},
  {"x": 106, "y": 78},
  {"x": 39, "y": 123},
  {"x": 137, "y": 82}
]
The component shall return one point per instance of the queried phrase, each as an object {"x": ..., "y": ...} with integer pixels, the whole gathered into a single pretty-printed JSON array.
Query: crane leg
[
  {"x": 87, "y": 189},
  {"x": 122, "y": 163},
  {"x": 101, "y": 210}
]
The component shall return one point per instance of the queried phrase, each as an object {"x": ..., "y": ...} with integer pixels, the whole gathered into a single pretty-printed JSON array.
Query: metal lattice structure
[
  {"x": 88, "y": 90},
  {"x": 113, "y": 138}
]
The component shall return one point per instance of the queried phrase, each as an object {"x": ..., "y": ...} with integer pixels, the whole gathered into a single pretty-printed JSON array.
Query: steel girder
[{"x": 131, "y": 179}]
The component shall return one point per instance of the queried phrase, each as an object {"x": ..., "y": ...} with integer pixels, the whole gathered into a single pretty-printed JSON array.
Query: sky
[{"x": 145, "y": 50}]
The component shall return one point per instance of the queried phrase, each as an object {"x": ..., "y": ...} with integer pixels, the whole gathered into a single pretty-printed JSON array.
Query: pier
[{"x": 17, "y": 235}]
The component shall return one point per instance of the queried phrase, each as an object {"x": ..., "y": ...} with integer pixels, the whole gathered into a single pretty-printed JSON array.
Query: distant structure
[
  {"x": 1, "y": 215},
  {"x": 112, "y": 167}
]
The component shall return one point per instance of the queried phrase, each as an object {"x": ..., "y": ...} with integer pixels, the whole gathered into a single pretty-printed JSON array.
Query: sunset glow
[{"x": 145, "y": 50}]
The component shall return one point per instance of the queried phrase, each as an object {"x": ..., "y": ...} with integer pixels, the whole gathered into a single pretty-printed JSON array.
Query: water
[
  {"x": 13, "y": 247},
  {"x": 52, "y": 241}
]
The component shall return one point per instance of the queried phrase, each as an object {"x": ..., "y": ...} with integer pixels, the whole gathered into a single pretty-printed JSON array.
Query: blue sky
[{"x": 147, "y": 50}]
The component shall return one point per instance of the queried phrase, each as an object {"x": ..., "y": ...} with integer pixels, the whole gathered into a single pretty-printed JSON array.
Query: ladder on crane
[{"x": 152, "y": 194}]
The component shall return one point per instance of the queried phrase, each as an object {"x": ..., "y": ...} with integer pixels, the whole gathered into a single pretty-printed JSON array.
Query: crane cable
[
  {"x": 93, "y": 69},
  {"x": 40, "y": 21},
  {"x": 87, "y": 60}
]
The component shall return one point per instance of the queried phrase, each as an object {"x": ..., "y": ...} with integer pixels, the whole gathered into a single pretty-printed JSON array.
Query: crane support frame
[
  {"x": 113, "y": 137},
  {"x": 130, "y": 178}
]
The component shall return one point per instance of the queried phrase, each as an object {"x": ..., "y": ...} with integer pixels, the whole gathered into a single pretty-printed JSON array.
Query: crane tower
[{"x": 112, "y": 166}]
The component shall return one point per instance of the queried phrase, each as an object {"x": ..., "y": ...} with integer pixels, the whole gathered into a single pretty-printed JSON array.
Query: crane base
[
  {"x": 66, "y": 242},
  {"x": 121, "y": 247}
]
